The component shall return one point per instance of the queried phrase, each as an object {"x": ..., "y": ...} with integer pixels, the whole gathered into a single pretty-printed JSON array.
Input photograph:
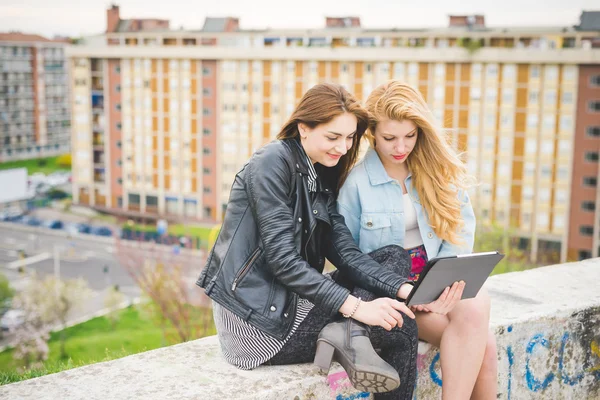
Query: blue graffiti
[
  {"x": 434, "y": 375},
  {"x": 565, "y": 378},
  {"x": 532, "y": 383},
  {"x": 361, "y": 395},
  {"x": 511, "y": 361}
]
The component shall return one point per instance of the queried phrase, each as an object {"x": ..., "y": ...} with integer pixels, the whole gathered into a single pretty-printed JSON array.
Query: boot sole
[{"x": 366, "y": 381}]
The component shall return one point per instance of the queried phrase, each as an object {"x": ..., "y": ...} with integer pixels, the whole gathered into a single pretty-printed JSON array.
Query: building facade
[
  {"x": 183, "y": 111},
  {"x": 35, "y": 102}
]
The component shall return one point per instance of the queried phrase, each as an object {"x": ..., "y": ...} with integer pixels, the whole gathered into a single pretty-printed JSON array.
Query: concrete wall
[{"x": 546, "y": 322}]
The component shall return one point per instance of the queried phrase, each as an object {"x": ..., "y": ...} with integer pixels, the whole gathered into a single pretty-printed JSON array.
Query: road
[{"x": 79, "y": 258}]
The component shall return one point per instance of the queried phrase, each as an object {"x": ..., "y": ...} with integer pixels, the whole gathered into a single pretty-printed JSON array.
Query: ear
[{"x": 302, "y": 128}]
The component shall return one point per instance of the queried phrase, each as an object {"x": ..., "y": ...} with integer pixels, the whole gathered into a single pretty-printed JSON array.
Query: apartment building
[
  {"x": 35, "y": 104},
  {"x": 182, "y": 111}
]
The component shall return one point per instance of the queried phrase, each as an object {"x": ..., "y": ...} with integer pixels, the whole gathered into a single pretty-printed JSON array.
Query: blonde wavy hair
[{"x": 438, "y": 172}]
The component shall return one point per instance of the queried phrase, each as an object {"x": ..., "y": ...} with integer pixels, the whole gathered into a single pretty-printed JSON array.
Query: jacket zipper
[
  {"x": 307, "y": 242},
  {"x": 245, "y": 269}
]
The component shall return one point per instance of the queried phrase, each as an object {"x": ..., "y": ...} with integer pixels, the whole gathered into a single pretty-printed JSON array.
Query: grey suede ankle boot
[{"x": 348, "y": 343}]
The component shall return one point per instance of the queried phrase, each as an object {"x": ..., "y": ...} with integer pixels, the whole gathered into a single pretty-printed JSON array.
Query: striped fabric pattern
[{"x": 245, "y": 346}]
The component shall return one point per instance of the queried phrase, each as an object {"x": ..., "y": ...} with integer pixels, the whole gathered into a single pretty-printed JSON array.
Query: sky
[{"x": 88, "y": 17}]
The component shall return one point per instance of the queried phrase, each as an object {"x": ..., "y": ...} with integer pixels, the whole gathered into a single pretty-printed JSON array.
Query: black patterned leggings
[{"x": 397, "y": 347}]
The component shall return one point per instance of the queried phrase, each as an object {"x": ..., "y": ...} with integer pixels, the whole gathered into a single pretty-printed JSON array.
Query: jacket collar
[
  {"x": 300, "y": 158},
  {"x": 301, "y": 164},
  {"x": 376, "y": 171}
]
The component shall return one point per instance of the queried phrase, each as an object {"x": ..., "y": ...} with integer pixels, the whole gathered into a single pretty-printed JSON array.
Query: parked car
[
  {"x": 12, "y": 319},
  {"x": 31, "y": 221},
  {"x": 101, "y": 231},
  {"x": 58, "y": 178},
  {"x": 76, "y": 228},
  {"x": 54, "y": 224},
  {"x": 10, "y": 214}
]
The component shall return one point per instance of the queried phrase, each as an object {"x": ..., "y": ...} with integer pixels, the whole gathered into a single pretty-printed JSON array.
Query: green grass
[
  {"x": 44, "y": 165},
  {"x": 95, "y": 341}
]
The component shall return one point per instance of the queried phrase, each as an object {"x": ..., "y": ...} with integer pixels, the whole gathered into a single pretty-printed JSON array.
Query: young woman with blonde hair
[{"x": 410, "y": 190}]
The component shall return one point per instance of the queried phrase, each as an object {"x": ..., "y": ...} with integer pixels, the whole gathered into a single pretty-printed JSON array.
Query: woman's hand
[
  {"x": 420, "y": 308},
  {"x": 447, "y": 300},
  {"x": 384, "y": 312}
]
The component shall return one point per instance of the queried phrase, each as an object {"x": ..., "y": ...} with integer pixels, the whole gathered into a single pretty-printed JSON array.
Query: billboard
[{"x": 13, "y": 185}]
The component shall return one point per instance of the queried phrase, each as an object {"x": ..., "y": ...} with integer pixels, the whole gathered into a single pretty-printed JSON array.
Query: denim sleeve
[
  {"x": 348, "y": 204},
  {"x": 467, "y": 234}
]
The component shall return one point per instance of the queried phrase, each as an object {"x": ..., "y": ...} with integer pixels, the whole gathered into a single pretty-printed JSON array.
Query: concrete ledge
[{"x": 546, "y": 321}]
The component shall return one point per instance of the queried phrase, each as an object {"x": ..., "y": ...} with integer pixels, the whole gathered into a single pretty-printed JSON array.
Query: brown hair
[{"x": 319, "y": 105}]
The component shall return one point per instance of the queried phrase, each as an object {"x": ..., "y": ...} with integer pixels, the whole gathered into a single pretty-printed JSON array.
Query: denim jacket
[{"x": 373, "y": 207}]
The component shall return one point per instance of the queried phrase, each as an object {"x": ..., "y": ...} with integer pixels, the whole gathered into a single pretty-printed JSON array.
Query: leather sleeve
[
  {"x": 268, "y": 182},
  {"x": 345, "y": 254}
]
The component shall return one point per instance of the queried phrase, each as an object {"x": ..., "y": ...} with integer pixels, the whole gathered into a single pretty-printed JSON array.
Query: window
[
  {"x": 590, "y": 181},
  {"x": 507, "y": 95},
  {"x": 531, "y": 146},
  {"x": 566, "y": 122},
  {"x": 206, "y": 171},
  {"x": 206, "y": 131},
  {"x": 558, "y": 222},
  {"x": 594, "y": 106},
  {"x": 567, "y": 98},
  {"x": 206, "y": 71},
  {"x": 595, "y": 81},
  {"x": 584, "y": 255},
  {"x": 475, "y": 93},
  {"x": 550, "y": 97},
  {"x": 591, "y": 156},
  {"x": 206, "y": 111},
  {"x": 492, "y": 70},
  {"x": 535, "y": 71},
  {"x": 532, "y": 120},
  {"x": 547, "y": 147},
  {"x": 533, "y": 96},
  {"x": 548, "y": 121},
  {"x": 586, "y": 230},
  {"x": 588, "y": 206},
  {"x": 593, "y": 131},
  {"x": 134, "y": 198},
  {"x": 206, "y": 151},
  {"x": 152, "y": 201},
  {"x": 206, "y": 190},
  {"x": 118, "y": 106}
]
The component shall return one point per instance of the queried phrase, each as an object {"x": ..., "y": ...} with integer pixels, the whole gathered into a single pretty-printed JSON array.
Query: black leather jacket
[{"x": 274, "y": 240}]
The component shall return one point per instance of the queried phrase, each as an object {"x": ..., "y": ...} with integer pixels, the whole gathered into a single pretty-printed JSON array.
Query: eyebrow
[
  {"x": 339, "y": 134},
  {"x": 413, "y": 131}
]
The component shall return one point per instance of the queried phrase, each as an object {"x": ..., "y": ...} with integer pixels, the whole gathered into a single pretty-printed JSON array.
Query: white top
[{"x": 412, "y": 236}]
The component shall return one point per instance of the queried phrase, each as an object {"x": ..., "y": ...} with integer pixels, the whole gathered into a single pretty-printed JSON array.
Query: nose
[
  {"x": 400, "y": 147},
  {"x": 342, "y": 149}
]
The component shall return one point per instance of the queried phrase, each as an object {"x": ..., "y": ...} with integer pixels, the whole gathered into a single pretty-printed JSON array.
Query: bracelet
[{"x": 353, "y": 311}]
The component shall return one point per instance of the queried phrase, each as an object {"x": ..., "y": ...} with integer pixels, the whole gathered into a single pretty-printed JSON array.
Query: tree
[
  {"x": 47, "y": 303},
  {"x": 64, "y": 161},
  {"x": 493, "y": 237},
  {"x": 6, "y": 292},
  {"x": 166, "y": 275}
]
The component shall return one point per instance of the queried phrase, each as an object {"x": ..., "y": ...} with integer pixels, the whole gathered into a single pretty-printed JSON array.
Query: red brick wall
[{"x": 581, "y": 167}]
